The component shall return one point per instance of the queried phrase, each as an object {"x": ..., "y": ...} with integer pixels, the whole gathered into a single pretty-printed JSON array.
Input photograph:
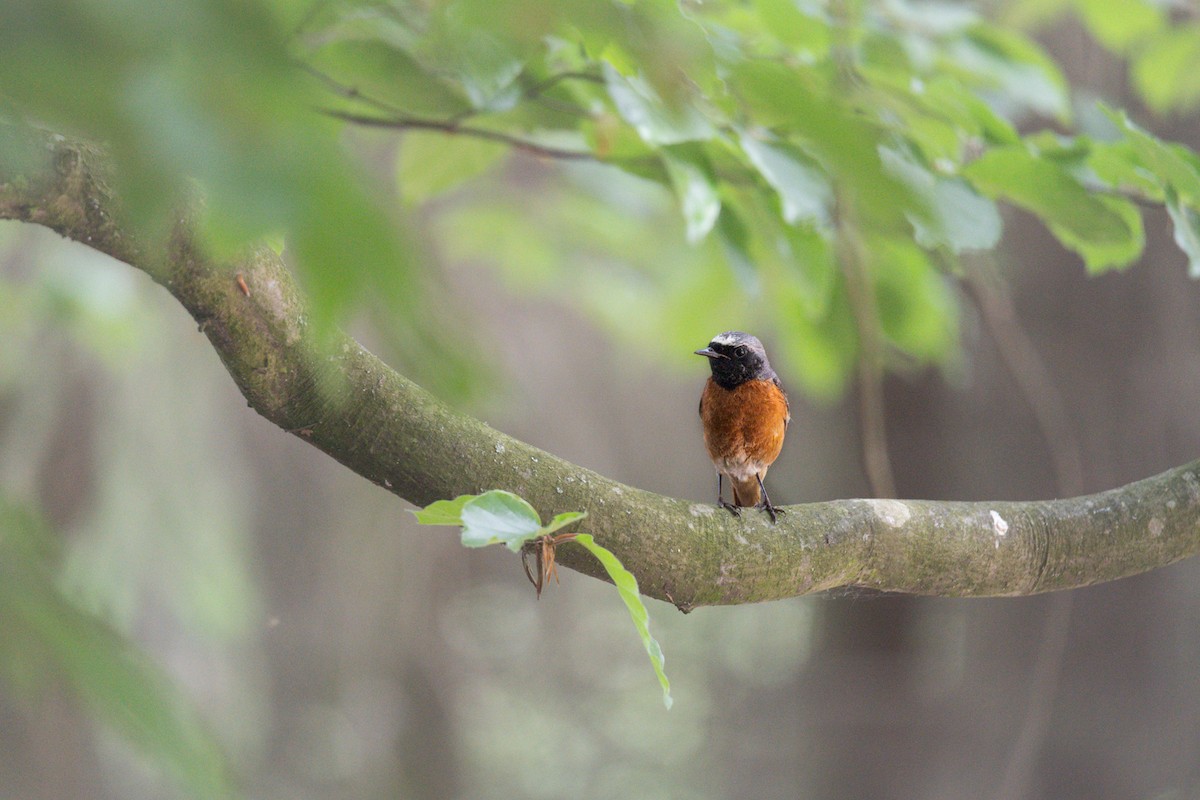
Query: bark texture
[{"x": 346, "y": 402}]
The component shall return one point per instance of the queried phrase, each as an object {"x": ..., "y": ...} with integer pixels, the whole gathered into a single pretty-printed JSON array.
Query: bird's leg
[
  {"x": 721, "y": 499},
  {"x": 766, "y": 504}
]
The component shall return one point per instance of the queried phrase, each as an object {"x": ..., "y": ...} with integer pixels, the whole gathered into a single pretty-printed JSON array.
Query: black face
[{"x": 737, "y": 357}]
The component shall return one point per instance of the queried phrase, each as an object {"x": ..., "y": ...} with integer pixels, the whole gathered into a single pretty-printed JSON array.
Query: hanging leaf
[
  {"x": 655, "y": 121},
  {"x": 803, "y": 188},
  {"x": 433, "y": 163},
  {"x": 1106, "y": 231},
  {"x": 500, "y": 517},
  {"x": 1187, "y": 232},
  {"x": 627, "y": 586},
  {"x": 696, "y": 189},
  {"x": 444, "y": 512},
  {"x": 1166, "y": 70},
  {"x": 959, "y": 219}
]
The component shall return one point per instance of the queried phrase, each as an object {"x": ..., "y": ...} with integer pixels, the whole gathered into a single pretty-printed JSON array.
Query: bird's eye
[{"x": 740, "y": 351}]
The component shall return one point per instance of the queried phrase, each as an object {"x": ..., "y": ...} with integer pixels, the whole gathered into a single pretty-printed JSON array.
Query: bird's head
[{"x": 737, "y": 357}]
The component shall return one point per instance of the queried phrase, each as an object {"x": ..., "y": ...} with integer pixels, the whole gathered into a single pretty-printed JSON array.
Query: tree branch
[
  {"x": 453, "y": 127},
  {"x": 346, "y": 402}
]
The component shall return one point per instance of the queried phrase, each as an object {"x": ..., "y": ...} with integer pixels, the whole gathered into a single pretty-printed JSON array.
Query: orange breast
[{"x": 743, "y": 426}]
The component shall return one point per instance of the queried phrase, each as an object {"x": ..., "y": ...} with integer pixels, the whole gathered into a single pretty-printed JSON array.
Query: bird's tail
[{"x": 746, "y": 493}]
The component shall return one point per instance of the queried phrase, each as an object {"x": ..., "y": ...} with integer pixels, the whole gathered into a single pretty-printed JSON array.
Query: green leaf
[
  {"x": 1172, "y": 164},
  {"x": 628, "y": 588},
  {"x": 837, "y": 135},
  {"x": 655, "y": 121},
  {"x": 486, "y": 65},
  {"x": 735, "y": 241},
  {"x": 1106, "y": 231},
  {"x": 1024, "y": 77},
  {"x": 443, "y": 512},
  {"x": 1167, "y": 69},
  {"x": 562, "y": 520},
  {"x": 803, "y": 188},
  {"x": 959, "y": 220},
  {"x": 790, "y": 23},
  {"x": 915, "y": 304},
  {"x": 195, "y": 93},
  {"x": 432, "y": 163},
  {"x": 948, "y": 97},
  {"x": 695, "y": 187},
  {"x": 496, "y": 517},
  {"x": 383, "y": 74},
  {"x": 1187, "y": 231},
  {"x": 1100, "y": 256},
  {"x": 1119, "y": 24},
  {"x": 1119, "y": 165},
  {"x": 499, "y": 517}
]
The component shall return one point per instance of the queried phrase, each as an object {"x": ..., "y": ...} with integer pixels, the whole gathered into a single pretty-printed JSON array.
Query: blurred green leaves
[
  {"x": 433, "y": 163},
  {"x": 696, "y": 189},
  {"x": 1101, "y": 229},
  {"x": 206, "y": 90},
  {"x": 768, "y": 125},
  {"x": 47, "y": 639},
  {"x": 1163, "y": 54}
]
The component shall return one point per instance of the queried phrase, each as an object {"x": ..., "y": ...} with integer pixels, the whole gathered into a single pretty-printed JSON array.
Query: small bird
[{"x": 745, "y": 414}]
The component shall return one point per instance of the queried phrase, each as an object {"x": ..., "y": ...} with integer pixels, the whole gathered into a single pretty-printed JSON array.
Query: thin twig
[
  {"x": 399, "y": 118},
  {"x": 403, "y": 123},
  {"x": 561, "y": 106},
  {"x": 1033, "y": 380},
  {"x": 547, "y": 83},
  {"x": 350, "y": 92},
  {"x": 871, "y": 416}
]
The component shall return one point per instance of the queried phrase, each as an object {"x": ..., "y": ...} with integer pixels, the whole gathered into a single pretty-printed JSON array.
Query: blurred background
[{"x": 336, "y": 650}]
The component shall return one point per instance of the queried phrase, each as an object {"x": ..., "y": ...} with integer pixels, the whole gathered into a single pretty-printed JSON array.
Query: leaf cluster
[
  {"x": 500, "y": 517},
  {"x": 794, "y": 138}
]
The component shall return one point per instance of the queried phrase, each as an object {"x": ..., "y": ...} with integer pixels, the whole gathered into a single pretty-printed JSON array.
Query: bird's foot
[
  {"x": 737, "y": 512},
  {"x": 771, "y": 510}
]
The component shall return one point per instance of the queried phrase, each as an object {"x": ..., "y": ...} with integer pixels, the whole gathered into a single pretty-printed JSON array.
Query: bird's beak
[{"x": 708, "y": 352}]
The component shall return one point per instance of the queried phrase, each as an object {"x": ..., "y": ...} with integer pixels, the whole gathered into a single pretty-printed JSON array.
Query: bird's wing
[{"x": 787, "y": 418}]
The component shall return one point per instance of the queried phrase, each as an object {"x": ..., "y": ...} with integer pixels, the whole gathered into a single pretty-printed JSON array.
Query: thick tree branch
[{"x": 349, "y": 404}]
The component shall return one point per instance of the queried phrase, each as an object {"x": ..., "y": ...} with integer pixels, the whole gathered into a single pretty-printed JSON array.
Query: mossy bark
[{"x": 346, "y": 402}]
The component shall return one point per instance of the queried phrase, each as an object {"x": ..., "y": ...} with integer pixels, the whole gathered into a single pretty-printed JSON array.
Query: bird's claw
[
  {"x": 737, "y": 512},
  {"x": 771, "y": 510}
]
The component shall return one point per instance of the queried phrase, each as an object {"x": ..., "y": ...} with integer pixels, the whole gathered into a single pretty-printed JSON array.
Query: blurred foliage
[
  {"x": 155, "y": 520},
  {"x": 49, "y": 641},
  {"x": 788, "y": 136},
  {"x": 788, "y": 132},
  {"x": 684, "y": 168}
]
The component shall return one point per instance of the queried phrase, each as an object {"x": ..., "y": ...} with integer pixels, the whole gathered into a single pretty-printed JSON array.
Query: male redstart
[{"x": 745, "y": 414}]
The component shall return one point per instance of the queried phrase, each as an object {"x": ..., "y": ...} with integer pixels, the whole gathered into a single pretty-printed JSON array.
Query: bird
[{"x": 744, "y": 413}]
